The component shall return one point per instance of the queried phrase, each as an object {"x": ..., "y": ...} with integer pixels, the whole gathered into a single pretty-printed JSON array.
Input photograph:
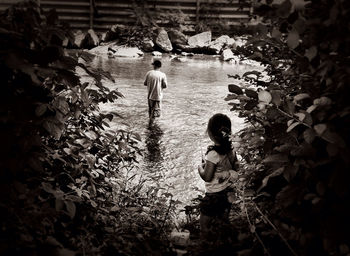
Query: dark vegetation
[
  {"x": 66, "y": 184},
  {"x": 293, "y": 194},
  {"x": 297, "y": 147},
  {"x": 66, "y": 179}
]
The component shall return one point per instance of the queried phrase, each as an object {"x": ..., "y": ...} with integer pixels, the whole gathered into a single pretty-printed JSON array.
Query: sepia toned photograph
[{"x": 175, "y": 127}]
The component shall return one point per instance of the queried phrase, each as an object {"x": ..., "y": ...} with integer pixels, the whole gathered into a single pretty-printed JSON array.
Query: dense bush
[
  {"x": 297, "y": 149},
  {"x": 66, "y": 184}
]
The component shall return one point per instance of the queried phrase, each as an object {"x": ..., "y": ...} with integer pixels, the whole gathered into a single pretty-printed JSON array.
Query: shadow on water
[{"x": 154, "y": 155}]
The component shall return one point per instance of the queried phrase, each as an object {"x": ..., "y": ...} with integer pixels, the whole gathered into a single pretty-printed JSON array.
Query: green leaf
[
  {"x": 47, "y": 187},
  {"x": 332, "y": 149},
  {"x": 59, "y": 204},
  {"x": 309, "y": 135},
  {"x": 299, "y": 4},
  {"x": 254, "y": 72},
  {"x": 300, "y": 115},
  {"x": 53, "y": 129},
  {"x": 311, "y": 108},
  {"x": 290, "y": 172},
  {"x": 276, "y": 97},
  {"x": 40, "y": 110},
  {"x": 289, "y": 107},
  {"x": 230, "y": 97},
  {"x": 303, "y": 150},
  {"x": 235, "y": 89},
  {"x": 333, "y": 137},
  {"x": 91, "y": 135},
  {"x": 137, "y": 136},
  {"x": 71, "y": 209},
  {"x": 290, "y": 122},
  {"x": 276, "y": 158},
  {"x": 311, "y": 53},
  {"x": 308, "y": 118},
  {"x": 250, "y": 105},
  {"x": 265, "y": 97},
  {"x": 275, "y": 173},
  {"x": 289, "y": 195},
  {"x": 73, "y": 198},
  {"x": 292, "y": 126},
  {"x": 300, "y": 96},
  {"x": 334, "y": 12},
  {"x": 252, "y": 228},
  {"x": 284, "y": 9},
  {"x": 276, "y": 34},
  {"x": 322, "y": 101},
  {"x": 109, "y": 116},
  {"x": 251, "y": 94},
  {"x": 293, "y": 39},
  {"x": 320, "y": 128},
  {"x": 284, "y": 148},
  {"x": 93, "y": 204},
  {"x": 300, "y": 25}
]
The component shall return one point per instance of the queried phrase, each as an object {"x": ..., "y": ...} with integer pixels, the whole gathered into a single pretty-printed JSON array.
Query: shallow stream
[{"x": 196, "y": 90}]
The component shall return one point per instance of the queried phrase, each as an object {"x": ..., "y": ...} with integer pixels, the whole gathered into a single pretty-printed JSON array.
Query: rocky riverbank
[{"x": 123, "y": 41}]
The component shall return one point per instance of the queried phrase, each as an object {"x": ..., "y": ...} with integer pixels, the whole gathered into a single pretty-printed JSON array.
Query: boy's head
[{"x": 157, "y": 64}]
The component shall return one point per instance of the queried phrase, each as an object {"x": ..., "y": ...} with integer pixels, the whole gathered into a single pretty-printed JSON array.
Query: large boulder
[
  {"x": 102, "y": 49},
  {"x": 177, "y": 37},
  {"x": 115, "y": 32},
  {"x": 227, "y": 55},
  {"x": 65, "y": 42},
  {"x": 78, "y": 38},
  {"x": 240, "y": 41},
  {"x": 163, "y": 41},
  {"x": 220, "y": 43},
  {"x": 200, "y": 40},
  {"x": 156, "y": 53},
  {"x": 91, "y": 40},
  {"x": 103, "y": 37},
  {"x": 147, "y": 45},
  {"x": 130, "y": 52},
  {"x": 181, "y": 239},
  {"x": 113, "y": 50}
]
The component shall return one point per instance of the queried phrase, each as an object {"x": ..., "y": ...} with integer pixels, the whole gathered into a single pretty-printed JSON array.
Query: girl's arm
[{"x": 207, "y": 173}]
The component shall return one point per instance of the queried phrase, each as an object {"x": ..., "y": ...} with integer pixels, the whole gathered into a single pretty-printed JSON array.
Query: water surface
[{"x": 196, "y": 90}]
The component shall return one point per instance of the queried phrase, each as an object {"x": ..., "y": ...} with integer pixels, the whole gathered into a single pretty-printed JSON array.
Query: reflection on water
[
  {"x": 173, "y": 144},
  {"x": 153, "y": 144}
]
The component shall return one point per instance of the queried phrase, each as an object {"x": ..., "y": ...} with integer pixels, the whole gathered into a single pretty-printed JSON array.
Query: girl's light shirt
[{"x": 221, "y": 179}]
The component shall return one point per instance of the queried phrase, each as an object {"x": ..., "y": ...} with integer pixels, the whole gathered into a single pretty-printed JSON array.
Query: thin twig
[
  {"x": 274, "y": 227},
  {"x": 251, "y": 226}
]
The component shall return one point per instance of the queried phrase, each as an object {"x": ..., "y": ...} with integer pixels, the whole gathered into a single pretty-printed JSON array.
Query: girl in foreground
[{"x": 218, "y": 172}]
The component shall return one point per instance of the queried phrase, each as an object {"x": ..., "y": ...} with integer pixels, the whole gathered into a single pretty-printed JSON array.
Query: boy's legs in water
[{"x": 153, "y": 108}]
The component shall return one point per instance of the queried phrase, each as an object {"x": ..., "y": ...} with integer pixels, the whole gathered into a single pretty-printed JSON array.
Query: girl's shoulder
[
  {"x": 212, "y": 155},
  {"x": 212, "y": 148}
]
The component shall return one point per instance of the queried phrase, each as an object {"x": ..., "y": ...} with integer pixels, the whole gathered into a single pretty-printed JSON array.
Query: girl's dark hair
[{"x": 219, "y": 126}]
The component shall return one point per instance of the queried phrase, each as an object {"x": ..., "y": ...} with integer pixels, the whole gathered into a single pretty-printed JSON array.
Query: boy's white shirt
[{"x": 154, "y": 80}]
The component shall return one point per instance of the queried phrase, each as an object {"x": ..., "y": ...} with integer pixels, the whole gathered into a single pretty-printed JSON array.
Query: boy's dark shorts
[
  {"x": 154, "y": 108},
  {"x": 215, "y": 204}
]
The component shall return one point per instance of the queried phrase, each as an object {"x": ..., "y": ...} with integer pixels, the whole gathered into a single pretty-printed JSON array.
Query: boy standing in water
[{"x": 155, "y": 81}]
